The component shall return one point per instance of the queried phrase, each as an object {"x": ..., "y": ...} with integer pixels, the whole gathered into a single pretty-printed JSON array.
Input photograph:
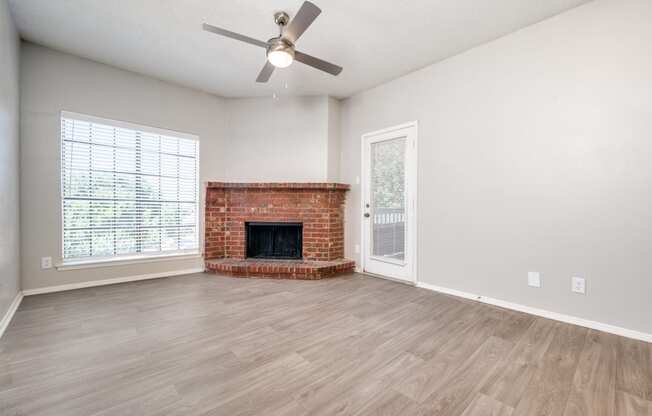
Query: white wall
[
  {"x": 9, "y": 160},
  {"x": 535, "y": 155},
  {"x": 53, "y": 81}
]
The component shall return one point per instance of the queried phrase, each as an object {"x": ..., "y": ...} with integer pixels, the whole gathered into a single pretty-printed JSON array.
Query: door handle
[{"x": 367, "y": 215}]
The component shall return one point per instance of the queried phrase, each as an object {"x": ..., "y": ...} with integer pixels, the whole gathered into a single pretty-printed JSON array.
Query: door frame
[{"x": 412, "y": 175}]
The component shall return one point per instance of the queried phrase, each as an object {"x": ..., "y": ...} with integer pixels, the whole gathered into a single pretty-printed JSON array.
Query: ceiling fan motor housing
[{"x": 280, "y": 44}]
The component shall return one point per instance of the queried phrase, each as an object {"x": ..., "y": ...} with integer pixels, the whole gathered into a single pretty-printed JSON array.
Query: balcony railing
[{"x": 389, "y": 233}]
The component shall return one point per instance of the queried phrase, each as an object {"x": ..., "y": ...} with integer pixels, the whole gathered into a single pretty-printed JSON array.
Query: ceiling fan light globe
[{"x": 280, "y": 58}]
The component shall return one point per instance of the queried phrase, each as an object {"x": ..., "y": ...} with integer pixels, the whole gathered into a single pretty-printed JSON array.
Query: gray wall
[
  {"x": 334, "y": 149},
  {"x": 9, "y": 160},
  {"x": 284, "y": 139},
  {"x": 534, "y": 155},
  {"x": 262, "y": 139},
  {"x": 52, "y": 81}
]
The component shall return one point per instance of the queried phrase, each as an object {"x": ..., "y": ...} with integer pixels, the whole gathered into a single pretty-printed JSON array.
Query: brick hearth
[
  {"x": 275, "y": 269},
  {"x": 318, "y": 206}
]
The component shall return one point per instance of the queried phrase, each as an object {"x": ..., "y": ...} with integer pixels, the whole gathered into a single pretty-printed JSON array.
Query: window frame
[{"x": 101, "y": 261}]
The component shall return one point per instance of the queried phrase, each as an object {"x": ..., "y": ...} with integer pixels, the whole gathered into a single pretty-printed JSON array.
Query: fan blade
[
  {"x": 265, "y": 73},
  {"x": 304, "y": 18},
  {"x": 317, "y": 63},
  {"x": 233, "y": 35}
]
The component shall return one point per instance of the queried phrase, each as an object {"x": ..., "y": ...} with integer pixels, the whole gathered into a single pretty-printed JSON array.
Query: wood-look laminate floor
[{"x": 210, "y": 345}]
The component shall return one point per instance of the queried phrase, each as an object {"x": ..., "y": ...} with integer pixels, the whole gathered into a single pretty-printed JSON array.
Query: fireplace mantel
[
  {"x": 317, "y": 206},
  {"x": 279, "y": 185}
]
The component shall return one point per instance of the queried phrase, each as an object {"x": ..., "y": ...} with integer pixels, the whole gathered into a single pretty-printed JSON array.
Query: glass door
[{"x": 389, "y": 199}]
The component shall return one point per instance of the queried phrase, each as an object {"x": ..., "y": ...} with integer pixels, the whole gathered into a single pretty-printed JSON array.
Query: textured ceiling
[{"x": 374, "y": 40}]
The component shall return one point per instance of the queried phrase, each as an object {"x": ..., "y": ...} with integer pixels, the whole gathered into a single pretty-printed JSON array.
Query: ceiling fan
[{"x": 280, "y": 50}]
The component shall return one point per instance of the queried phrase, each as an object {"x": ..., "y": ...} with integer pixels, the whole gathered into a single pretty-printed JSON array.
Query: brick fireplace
[{"x": 316, "y": 208}]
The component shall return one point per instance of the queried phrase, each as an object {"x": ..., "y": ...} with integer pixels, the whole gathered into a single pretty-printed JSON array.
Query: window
[{"x": 127, "y": 191}]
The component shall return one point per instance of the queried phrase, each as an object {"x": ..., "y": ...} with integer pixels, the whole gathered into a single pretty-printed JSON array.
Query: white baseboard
[
  {"x": 93, "y": 283},
  {"x": 628, "y": 333},
  {"x": 4, "y": 323}
]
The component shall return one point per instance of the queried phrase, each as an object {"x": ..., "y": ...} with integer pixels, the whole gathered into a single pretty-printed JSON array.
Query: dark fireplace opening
[{"x": 274, "y": 240}]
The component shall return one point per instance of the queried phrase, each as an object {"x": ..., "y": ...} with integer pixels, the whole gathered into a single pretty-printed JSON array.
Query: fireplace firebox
[{"x": 274, "y": 240}]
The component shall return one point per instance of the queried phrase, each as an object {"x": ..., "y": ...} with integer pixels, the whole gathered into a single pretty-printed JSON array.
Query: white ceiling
[{"x": 374, "y": 40}]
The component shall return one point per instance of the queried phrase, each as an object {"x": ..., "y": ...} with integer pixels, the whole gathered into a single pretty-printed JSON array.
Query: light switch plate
[
  {"x": 578, "y": 285},
  {"x": 534, "y": 279},
  {"x": 46, "y": 262}
]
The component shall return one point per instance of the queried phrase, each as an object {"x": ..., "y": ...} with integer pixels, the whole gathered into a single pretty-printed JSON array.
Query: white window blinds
[{"x": 127, "y": 190}]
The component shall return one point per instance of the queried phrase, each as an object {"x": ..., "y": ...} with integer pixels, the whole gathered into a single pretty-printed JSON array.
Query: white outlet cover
[
  {"x": 46, "y": 262},
  {"x": 357, "y": 248},
  {"x": 534, "y": 279},
  {"x": 578, "y": 285}
]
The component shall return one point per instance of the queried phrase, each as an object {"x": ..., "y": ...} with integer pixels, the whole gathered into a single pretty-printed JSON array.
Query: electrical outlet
[
  {"x": 578, "y": 285},
  {"x": 46, "y": 262},
  {"x": 534, "y": 279},
  {"x": 357, "y": 248}
]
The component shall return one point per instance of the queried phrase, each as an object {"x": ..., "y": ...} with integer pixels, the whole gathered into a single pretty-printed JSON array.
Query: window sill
[{"x": 124, "y": 261}]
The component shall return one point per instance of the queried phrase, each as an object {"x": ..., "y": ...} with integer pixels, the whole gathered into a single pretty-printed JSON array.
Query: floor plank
[
  {"x": 521, "y": 364},
  {"x": 630, "y": 405},
  {"x": 486, "y": 406},
  {"x": 634, "y": 370},
  {"x": 594, "y": 385},
  {"x": 549, "y": 388},
  {"x": 458, "y": 390}
]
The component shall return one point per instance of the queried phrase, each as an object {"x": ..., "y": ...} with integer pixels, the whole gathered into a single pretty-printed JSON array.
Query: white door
[{"x": 389, "y": 202}]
